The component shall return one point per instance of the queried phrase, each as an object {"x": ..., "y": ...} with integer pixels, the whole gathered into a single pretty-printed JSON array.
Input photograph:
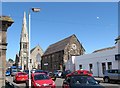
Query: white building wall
[{"x": 96, "y": 59}]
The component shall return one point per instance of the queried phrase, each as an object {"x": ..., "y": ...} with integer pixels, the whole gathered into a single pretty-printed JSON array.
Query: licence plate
[
  {"x": 47, "y": 87},
  {"x": 23, "y": 79}
]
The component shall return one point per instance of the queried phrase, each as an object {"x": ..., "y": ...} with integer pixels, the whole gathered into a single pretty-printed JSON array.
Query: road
[{"x": 59, "y": 82}]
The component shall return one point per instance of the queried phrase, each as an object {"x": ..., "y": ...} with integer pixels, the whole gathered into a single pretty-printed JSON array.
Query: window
[
  {"x": 25, "y": 45},
  {"x": 109, "y": 65},
  {"x": 24, "y": 35},
  {"x": 103, "y": 68},
  {"x": 90, "y": 68},
  {"x": 38, "y": 58},
  {"x": 80, "y": 67},
  {"x": 117, "y": 57}
]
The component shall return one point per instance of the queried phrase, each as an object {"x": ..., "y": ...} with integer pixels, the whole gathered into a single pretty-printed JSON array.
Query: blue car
[{"x": 7, "y": 73}]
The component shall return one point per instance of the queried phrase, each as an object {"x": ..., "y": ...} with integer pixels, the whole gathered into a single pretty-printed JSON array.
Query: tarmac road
[{"x": 59, "y": 82}]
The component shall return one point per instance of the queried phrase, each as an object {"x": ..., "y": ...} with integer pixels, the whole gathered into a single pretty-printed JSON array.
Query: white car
[{"x": 112, "y": 74}]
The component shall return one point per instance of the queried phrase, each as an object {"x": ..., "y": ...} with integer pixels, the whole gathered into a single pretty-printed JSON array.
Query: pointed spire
[{"x": 24, "y": 33}]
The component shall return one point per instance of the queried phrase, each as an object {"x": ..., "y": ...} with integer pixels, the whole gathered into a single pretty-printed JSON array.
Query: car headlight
[
  {"x": 53, "y": 83},
  {"x": 37, "y": 84}
]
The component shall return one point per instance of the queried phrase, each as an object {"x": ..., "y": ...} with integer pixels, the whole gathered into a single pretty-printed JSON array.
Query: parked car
[
  {"x": 112, "y": 74},
  {"x": 86, "y": 72},
  {"x": 41, "y": 71},
  {"x": 14, "y": 72},
  {"x": 7, "y": 73},
  {"x": 41, "y": 80},
  {"x": 57, "y": 73},
  {"x": 52, "y": 76},
  {"x": 64, "y": 73},
  {"x": 38, "y": 71},
  {"x": 81, "y": 81},
  {"x": 26, "y": 71},
  {"x": 20, "y": 77}
]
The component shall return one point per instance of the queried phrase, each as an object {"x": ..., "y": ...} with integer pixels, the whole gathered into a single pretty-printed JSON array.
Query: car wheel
[
  {"x": 106, "y": 79},
  {"x": 13, "y": 79},
  {"x": 27, "y": 85}
]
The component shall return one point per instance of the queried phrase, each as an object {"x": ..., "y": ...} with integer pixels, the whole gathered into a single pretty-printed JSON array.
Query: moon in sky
[{"x": 98, "y": 17}]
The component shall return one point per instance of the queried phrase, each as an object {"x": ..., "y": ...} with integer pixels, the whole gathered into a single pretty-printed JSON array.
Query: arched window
[{"x": 38, "y": 58}]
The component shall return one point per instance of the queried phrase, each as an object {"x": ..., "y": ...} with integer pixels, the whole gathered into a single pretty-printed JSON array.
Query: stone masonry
[{"x": 5, "y": 22}]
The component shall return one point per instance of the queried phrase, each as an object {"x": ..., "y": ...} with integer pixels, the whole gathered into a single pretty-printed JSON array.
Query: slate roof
[
  {"x": 118, "y": 38},
  {"x": 108, "y": 48},
  {"x": 35, "y": 48},
  {"x": 58, "y": 46},
  {"x": 32, "y": 49},
  {"x": 6, "y": 18}
]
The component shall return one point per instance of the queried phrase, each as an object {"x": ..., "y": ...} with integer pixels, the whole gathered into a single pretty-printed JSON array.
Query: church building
[
  {"x": 57, "y": 54},
  {"x": 24, "y": 46},
  {"x": 23, "y": 56}
]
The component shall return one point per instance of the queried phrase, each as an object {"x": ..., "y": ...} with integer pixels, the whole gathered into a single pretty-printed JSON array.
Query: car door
[
  {"x": 118, "y": 74},
  {"x": 113, "y": 74}
]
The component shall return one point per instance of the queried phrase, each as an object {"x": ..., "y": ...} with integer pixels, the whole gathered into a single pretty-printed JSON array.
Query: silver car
[{"x": 112, "y": 74}]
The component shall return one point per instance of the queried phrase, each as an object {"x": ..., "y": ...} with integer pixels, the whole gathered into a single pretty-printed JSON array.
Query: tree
[{"x": 10, "y": 60}]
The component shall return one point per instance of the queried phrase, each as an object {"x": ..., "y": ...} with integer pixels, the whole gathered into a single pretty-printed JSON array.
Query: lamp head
[{"x": 36, "y": 9}]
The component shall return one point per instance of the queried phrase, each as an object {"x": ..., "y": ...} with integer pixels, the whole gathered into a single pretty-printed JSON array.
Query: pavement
[
  {"x": 9, "y": 81},
  {"x": 99, "y": 79}
]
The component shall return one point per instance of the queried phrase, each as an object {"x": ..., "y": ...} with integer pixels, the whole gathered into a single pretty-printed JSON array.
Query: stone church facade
[
  {"x": 36, "y": 54},
  {"x": 23, "y": 57},
  {"x": 24, "y": 46},
  {"x": 57, "y": 54}
]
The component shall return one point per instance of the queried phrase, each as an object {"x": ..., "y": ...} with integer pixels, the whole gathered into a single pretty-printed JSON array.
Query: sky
[{"x": 94, "y": 23}]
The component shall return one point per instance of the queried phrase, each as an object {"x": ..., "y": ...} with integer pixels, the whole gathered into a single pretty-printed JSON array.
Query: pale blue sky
[{"x": 94, "y": 23}]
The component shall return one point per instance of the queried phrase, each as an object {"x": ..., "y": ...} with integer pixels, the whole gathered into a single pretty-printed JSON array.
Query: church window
[
  {"x": 24, "y": 35},
  {"x": 38, "y": 58},
  {"x": 25, "y": 46}
]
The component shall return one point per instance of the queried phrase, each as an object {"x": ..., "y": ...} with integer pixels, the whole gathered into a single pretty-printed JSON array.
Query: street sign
[{"x": 45, "y": 64}]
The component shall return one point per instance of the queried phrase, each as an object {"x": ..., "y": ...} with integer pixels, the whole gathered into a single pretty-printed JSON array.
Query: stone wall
[{"x": 5, "y": 22}]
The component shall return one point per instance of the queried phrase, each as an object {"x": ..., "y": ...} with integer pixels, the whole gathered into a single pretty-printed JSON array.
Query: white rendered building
[{"x": 98, "y": 61}]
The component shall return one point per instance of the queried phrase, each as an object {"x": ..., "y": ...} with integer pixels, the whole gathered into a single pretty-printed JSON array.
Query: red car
[
  {"x": 81, "y": 81},
  {"x": 85, "y": 72},
  {"x": 41, "y": 80},
  {"x": 20, "y": 77}
]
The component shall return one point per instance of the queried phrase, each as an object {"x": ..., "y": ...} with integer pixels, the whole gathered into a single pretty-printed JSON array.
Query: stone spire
[
  {"x": 24, "y": 46},
  {"x": 24, "y": 33}
]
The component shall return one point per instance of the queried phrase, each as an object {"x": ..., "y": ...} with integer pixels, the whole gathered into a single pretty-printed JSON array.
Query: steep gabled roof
[
  {"x": 35, "y": 48},
  {"x": 58, "y": 46},
  {"x": 32, "y": 49}
]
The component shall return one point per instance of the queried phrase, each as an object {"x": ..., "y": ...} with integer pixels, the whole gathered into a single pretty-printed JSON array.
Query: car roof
[
  {"x": 21, "y": 72},
  {"x": 79, "y": 75},
  {"x": 37, "y": 73},
  {"x": 82, "y": 71}
]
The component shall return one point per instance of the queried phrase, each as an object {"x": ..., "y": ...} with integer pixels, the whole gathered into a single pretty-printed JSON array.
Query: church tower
[{"x": 24, "y": 45}]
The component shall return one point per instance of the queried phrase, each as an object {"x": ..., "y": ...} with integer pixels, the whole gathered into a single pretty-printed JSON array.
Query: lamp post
[{"x": 29, "y": 59}]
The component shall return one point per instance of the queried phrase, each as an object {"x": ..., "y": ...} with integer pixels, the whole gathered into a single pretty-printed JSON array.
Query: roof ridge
[{"x": 60, "y": 45}]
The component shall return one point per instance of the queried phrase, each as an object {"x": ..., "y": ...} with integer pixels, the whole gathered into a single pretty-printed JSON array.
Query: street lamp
[{"x": 30, "y": 60}]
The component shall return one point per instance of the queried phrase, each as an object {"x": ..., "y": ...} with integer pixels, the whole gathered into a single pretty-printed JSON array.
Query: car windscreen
[
  {"x": 41, "y": 77},
  {"x": 39, "y": 71},
  {"x": 14, "y": 70},
  {"x": 22, "y": 74},
  {"x": 87, "y": 80}
]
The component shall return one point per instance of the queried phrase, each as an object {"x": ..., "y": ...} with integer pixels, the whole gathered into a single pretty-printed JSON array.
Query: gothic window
[
  {"x": 38, "y": 58},
  {"x": 25, "y": 45},
  {"x": 24, "y": 35}
]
